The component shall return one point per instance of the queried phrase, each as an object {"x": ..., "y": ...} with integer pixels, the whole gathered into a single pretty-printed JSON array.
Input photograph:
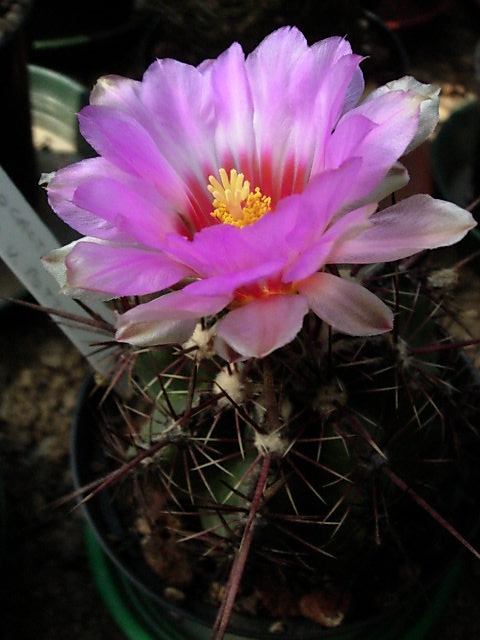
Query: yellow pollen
[{"x": 233, "y": 201}]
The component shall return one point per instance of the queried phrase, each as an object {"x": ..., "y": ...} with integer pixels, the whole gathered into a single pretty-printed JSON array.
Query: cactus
[
  {"x": 286, "y": 411},
  {"x": 307, "y": 465}
]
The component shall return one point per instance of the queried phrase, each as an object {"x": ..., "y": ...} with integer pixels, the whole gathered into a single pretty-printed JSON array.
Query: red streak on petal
[
  {"x": 293, "y": 179},
  {"x": 200, "y": 204},
  {"x": 288, "y": 176},
  {"x": 266, "y": 179},
  {"x": 300, "y": 179}
]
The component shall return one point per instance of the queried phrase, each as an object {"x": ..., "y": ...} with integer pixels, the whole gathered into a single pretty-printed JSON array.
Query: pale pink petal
[
  {"x": 297, "y": 99},
  {"x": 118, "y": 92},
  {"x": 55, "y": 263},
  {"x": 179, "y": 100},
  {"x": 258, "y": 328},
  {"x": 346, "y": 306},
  {"x": 316, "y": 97},
  {"x": 346, "y": 138},
  {"x": 330, "y": 101},
  {"x": 121, "y": 270},
  {"x": 270, "y": 68},
  {"x": 135, "y": 99},
  {"x": 429, "y": 96},
  {"x": 168, "y": 319},
  {"x": 395, "y": 116},
  {"x": 234, "y": 136},
  {"x": 416, "y": 223},
  {"x": 329, "y": 51},
  {"x": 396, "y": 178}
]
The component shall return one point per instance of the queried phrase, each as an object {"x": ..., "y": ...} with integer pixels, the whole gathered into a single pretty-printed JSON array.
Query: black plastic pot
[
  {"x": 456, "y": 163},
  {"x": 134, "y": 594}
]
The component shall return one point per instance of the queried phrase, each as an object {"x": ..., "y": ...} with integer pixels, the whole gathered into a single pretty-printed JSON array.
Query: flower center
[{"x": 234, "y": 202}]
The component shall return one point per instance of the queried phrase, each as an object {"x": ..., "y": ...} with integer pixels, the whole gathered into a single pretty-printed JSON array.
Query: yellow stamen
[{"x": 233, "y": 201}]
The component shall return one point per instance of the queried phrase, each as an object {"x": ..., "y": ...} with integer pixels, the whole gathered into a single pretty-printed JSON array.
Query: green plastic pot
[
  {"x": 134, "y": 594},
  {"x": 55, "y": 100}
]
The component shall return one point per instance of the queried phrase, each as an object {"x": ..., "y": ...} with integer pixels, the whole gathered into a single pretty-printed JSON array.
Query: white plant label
[{"x": 24, "y": 239}]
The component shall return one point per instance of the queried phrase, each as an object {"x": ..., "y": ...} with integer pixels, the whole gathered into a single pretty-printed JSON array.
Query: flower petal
[
  {"x": 178, "y": 98},
  {"x": 269, "y": 68},
  {"x": 325, "y": 195},
  {"x": 121, "y": 270},
  {"x": 298, "y": 94},
  {"x": 60, "y": 197},
  {"x": 227, "y": 283},
  {"x": 122, "y": 140},
  {"x": 234, "y": 136},
  {"x": 429, "y": 96},
  {"x": 416, "y": 223},
  {"x": 226, "y": 250},
  {"x": 55, "y": 263},
  {"x": 132, "y": 208},
  {"x": 260, "y": 327},
  {"x": 171, "y": 318},
  {"x": 396, "y": 178},
  {"x": 315, "y": 256},
  {"x": 395, "y": 117},
  {"x": 346, "y": 306},
  {"x": 120, "y": 93}
]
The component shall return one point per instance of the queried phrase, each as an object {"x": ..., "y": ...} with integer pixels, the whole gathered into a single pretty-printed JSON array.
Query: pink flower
[{"x": 236, "y": 183}]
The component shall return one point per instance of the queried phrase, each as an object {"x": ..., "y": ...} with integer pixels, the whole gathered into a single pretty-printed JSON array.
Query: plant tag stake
[{"x": 24, "y": 239}]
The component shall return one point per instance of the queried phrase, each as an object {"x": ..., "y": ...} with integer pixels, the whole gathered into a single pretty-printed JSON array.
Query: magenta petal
[
  {"x": 55, "y": 263},
  {"x": 226, "y": 250},
  {"x": 131, "y": 208},
  {"x": 346, "y": 138},
  {"x": 416, "y": 223},
  {"x": 226, "y": 284},
  {"x": 168, "y": 319},
  {"x": 121, "y": 270},
  {"x": 325, "y": 195},
  {"x": 60, "y": 197},
  {"x": 123, "y": 141},
  {"x": 260, "y": 327},
  {"x": 315, "y": 256},
  {"x": 346, "y": 306}
]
